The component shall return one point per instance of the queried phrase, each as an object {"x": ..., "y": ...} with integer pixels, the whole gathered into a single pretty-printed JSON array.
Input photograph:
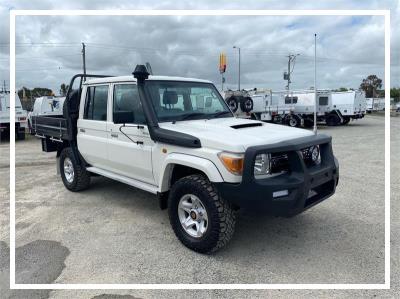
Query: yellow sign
[{"x": 222, "y": 63}]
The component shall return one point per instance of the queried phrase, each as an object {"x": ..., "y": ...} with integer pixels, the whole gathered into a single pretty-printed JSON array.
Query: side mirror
[{"x": 123, "y": 117}]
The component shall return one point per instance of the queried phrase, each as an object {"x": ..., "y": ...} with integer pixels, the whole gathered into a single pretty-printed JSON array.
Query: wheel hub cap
[
  {"x": 69, "y": 170},
  {"x": 192, "y": 215}
]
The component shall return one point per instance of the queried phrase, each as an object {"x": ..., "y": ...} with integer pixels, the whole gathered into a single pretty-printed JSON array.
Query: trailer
[
  {"x": 303, "y": 103},
  {"x": 20, "y": 116},
  {"x": 350, "y": 104}
]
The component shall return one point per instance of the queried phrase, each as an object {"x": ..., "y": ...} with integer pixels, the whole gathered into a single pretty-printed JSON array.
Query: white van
[{"x": 20, "y": 116}]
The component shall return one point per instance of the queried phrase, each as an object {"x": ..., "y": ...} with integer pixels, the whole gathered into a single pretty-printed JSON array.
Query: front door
[{"x": 129, "y": 145}]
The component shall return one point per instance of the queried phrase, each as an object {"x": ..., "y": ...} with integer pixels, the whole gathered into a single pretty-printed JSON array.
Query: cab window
[
  {"x": 126, "y": 99},
  {"x": 96, "y": 103}
]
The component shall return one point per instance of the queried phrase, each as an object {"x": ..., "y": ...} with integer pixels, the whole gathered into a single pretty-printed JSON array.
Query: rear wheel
[
  {"x": 20, "y": 135},
  {"x": 293, "y": 121},
  {"x": 333, "y": 120},
  {"x": 308, "y": 123},
  {"x": 346, "y": 120},
  {"x": 200, "y": 218},
  {"x": 74, "y": 176}
]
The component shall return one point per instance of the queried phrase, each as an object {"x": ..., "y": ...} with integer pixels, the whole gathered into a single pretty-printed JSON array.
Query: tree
[
  {"x": 370, "y": 85},
  {"x": 395, "y": 94},
  {"x": 64, "y": 89},
  {"x": 342, "y": 89},
  {"x": 27, "y": 99}
]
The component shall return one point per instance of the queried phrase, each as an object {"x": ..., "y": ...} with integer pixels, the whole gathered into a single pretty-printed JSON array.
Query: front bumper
[{"x": 303, "y": 186}]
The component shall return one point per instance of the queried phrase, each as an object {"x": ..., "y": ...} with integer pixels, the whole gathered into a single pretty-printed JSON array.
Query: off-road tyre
[
  {"x": 308, "y": 123},
  {"x": 346, "y": 120},
  {"x": 333, "y": 120},
  {"x": 221, "y": 215},
  {"x": 81, "y": 178},
  {"x": 20, "y": 135},
  {"x": 232, "y": 103},
  {"x": 293, "y": 121},
  {"x": 246, "y": 104}
]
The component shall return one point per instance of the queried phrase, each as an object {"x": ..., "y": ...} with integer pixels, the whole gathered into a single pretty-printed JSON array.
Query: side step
[{"x": 123, "y": 179}]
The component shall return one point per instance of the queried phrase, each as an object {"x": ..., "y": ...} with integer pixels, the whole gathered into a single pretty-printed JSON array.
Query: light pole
[{"x": 239, "y": 66}]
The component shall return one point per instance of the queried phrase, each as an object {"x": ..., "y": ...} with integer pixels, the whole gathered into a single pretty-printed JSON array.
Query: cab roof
[{"x": 151, "y": 78}]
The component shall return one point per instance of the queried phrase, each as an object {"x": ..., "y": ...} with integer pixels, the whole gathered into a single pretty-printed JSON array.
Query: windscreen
[{"x": 175, "y": 101}]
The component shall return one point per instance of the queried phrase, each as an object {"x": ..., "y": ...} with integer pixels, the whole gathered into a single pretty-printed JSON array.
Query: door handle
[
  {"x": 82, "y": 130},
  {"x": 115, "y": 135}
]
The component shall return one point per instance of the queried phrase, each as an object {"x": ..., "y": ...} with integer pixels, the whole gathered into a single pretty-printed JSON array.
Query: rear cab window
[{"x": 96, "y": 103}]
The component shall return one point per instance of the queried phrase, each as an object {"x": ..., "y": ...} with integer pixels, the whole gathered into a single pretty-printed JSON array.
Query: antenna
[{"x": 315, "y": 84}]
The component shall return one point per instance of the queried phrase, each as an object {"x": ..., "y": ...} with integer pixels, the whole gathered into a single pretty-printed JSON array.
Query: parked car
[{"x": 157, "y": 134}]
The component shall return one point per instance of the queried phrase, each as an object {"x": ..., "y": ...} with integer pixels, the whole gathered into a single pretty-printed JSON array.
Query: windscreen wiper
[
  {"x": 220, "y": 113},
  {"x": 190, "y": 115}
]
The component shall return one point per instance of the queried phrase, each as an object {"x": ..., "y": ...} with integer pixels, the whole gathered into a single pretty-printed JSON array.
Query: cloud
[{"x": 349, "y": 48}]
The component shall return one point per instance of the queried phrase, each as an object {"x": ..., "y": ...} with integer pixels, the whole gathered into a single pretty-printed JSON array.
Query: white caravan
[
  {"x": 271, "y": 107},
  {"x": 351, "y": 104},
  {"x": 47, "y": 105},
  {"x": 20, "y": 116},
  {"x": 375, "y": 104},
  {"x": 303, "y": 108}
]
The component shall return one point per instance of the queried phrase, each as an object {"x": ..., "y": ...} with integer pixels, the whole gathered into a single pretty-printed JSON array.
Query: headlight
[
  {"x": 232, "y": 162},
  {"x": 262, "y": 164}
]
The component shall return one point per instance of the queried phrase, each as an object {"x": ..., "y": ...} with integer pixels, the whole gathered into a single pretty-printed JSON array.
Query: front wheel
[
  {"x": 74, "y": 176},
  {"x": 200, "y": 218}
]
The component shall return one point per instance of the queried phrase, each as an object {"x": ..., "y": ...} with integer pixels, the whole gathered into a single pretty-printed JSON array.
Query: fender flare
[{"x": 202, "y": 164}]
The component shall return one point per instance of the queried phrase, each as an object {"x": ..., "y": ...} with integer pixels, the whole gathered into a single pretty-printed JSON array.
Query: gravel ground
[{"x": 113, "y": 233}]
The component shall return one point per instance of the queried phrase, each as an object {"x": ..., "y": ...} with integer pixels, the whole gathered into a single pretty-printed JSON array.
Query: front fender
[{"x": 202, "y": 164}]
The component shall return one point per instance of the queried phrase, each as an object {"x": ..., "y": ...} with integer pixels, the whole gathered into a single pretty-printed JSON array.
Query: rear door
[
  {"x": 126, "y": 156},
  {"x": 92, "y": 125}
]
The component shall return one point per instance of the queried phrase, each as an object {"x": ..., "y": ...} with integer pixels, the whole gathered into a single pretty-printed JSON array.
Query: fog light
[
  {"x": 280, "y": 193},
  {"x": 314, "y": 153}
]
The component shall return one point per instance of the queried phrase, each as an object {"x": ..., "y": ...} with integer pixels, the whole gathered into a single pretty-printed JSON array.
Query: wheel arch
[{"x": 178, "y": 165}]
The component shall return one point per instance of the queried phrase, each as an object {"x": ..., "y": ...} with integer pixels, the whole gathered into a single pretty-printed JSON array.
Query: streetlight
[{"x": 239, "y": 66}]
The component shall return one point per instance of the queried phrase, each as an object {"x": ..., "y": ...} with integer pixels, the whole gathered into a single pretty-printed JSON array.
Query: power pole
[
  {"x": 315, "y": 84},
  {"x": 286, "y": 75},
  {"x": 239, "y": 66},
  {"x": 84, "y": 59}
]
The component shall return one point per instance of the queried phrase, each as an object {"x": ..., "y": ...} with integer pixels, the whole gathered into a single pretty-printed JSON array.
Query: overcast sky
[{"x": 349, "y": 48}]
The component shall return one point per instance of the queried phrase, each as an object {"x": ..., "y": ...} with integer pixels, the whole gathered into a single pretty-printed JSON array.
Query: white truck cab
[{"x": 177, "y": 138}]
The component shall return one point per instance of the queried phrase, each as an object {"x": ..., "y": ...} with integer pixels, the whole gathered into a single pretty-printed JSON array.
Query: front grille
[{"x": 279, "y": 162}]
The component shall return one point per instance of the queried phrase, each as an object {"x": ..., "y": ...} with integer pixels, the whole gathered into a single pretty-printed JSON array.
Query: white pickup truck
[{"x": 177, "y": 138}]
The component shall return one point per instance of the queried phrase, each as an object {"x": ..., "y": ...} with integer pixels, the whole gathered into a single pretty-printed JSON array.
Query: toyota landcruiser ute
[{"x": 177, "y": 138}]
